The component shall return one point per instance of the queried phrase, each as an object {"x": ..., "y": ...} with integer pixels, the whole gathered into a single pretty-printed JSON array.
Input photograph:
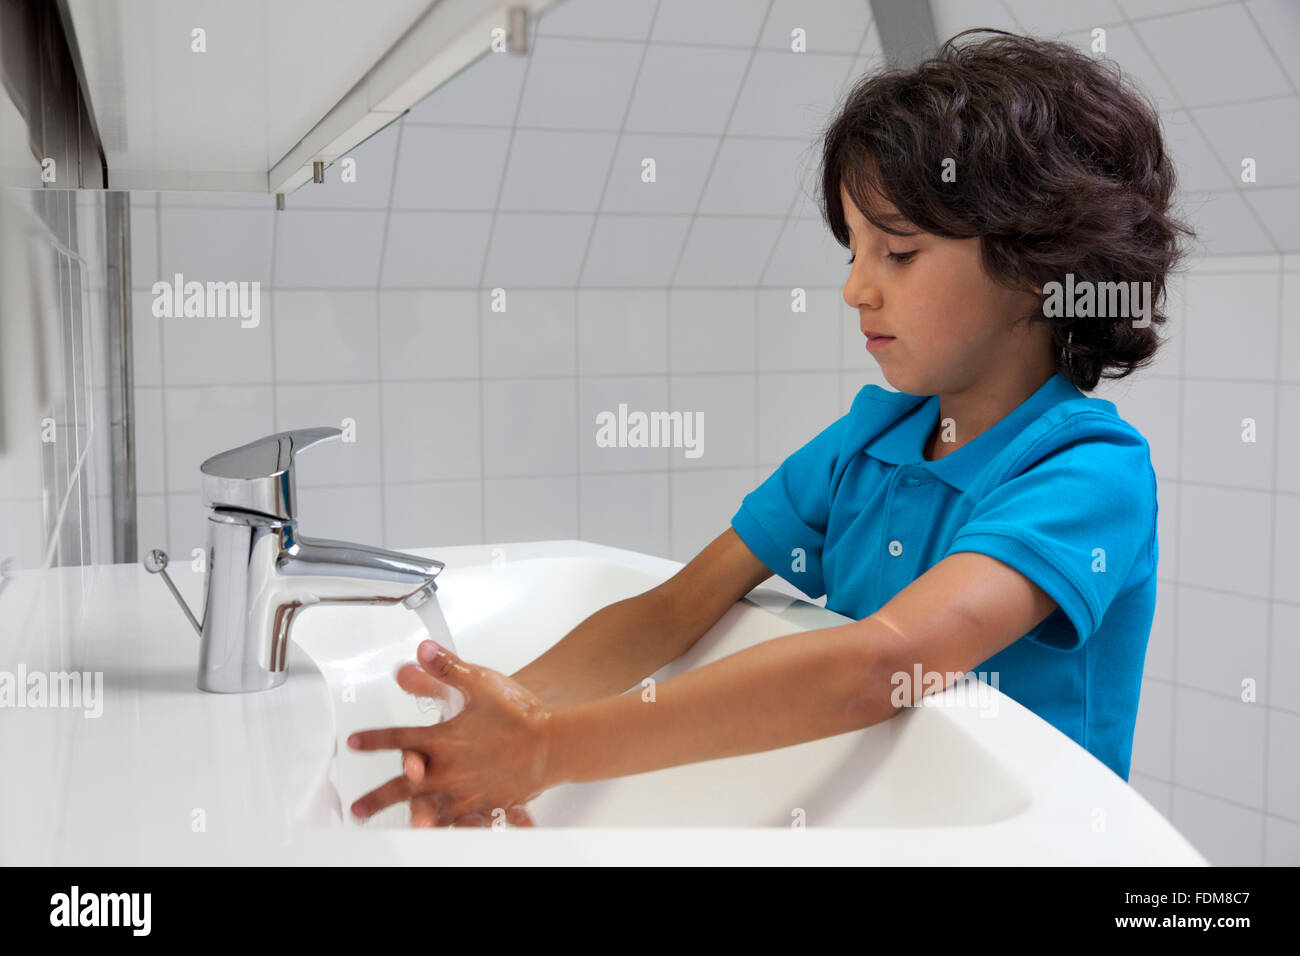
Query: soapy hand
[{"x": 491, "y": 756}]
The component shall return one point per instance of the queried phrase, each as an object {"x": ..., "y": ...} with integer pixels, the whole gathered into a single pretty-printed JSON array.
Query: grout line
[
  {"x": 582, "y": 264},
  {"x": 380, "y": 380},
  {"x": 487, "y": 251},
  {"x": 1175, "y": 786},
  {"x": 1184, "y": 309},
  {"x": 162, "y": 383},
  {"x": 1272, "y": 541},
  {"x": 275, "y": 233}
]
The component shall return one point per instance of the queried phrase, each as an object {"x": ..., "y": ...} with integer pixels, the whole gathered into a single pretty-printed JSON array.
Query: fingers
[
  {"x": 391, "y": 738},
  {"x": 519, "y": 817},
  {"x": 475, "y": 819},
  {"x": 414, "y": 765},
  {"x": 429, "y": 808},
  {"x": 415, "y": 680},
  {"x": 394, "y": 791},
  {"x": 426, "y": 809}
]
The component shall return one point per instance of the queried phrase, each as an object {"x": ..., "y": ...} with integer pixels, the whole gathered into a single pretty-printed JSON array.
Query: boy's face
[{"x": 952, "y": 324}]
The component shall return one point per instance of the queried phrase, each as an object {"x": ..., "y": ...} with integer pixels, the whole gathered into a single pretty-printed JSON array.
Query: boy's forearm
[
  {"x": 782, "y": 692},
  {"x": 607, "y": 653}
]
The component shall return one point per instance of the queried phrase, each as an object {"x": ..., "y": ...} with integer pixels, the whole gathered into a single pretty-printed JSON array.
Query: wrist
[{"x": 557, "y": 746}]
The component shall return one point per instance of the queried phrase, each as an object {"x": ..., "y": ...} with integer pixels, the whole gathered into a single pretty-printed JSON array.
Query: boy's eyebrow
[{"x": 896, "y": 222}]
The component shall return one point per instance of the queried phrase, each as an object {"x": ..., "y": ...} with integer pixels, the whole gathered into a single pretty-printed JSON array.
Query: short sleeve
[
  {"x": 784, "y": 520},
  {"x": 1077, "y": 523}
]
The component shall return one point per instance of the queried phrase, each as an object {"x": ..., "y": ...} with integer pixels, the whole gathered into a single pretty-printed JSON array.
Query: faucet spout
[{"x": 341, "y": 572}]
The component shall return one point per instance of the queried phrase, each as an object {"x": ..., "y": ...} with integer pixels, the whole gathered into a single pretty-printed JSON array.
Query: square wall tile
[
  {"x": 202, "y": 422},
  {"x": 216, "y": 245},
  {"x": 633, "y": 251},
  {"x": 538, "y": 249},
  {"x": 686, "y": 89},
  {"x": 428, "y": 250},
  {"x": 429, "y": 334},
  {"x": 218, "y": 351},
  {"x": 534, "y": 335},
  {"x": 1224, "y": 539},
  {"x": 450, "y": 168},
  {"x": 329, "y": 336},
  {"x": 578, "y": 84},
  {"x": 790, "y": 340},
  {"x": 342, "y": 513},
  {"x": 625, "y": 511},
  {"x": 725, "y": 251},
  {"x": 431, "y": 430},
  {"x": 431, "y": 514},
  {"x": 623, "y": 332},
  {"x": 711, "y": 330},
  {"x": 680, "y": 169},
  {"x": 531, "y": 509},
  {"x": 599, "y": 416},
  {"x": 1231, "y": 326},
  {"x": 328, "y": 249},
  {"x": 703, "y": 503},
  {"x": 723, "y": 418},
  {"x": 530, "y": 427},
  {"x": 793, "y": 408},
  {"x": 1229, "y": 434},
  {"x": 1222, "y": 643},
  {"x": 550, "y": 171},
  {"x": 1219, "y": 746}
]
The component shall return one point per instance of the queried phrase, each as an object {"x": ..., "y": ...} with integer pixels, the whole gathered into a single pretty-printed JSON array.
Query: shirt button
[
  {"x": 913, "y": 482},
  {"x": 895, "y": 547}
]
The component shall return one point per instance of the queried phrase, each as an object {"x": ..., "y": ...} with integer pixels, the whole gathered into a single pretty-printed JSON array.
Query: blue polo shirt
[{"x": 1061, "y": 489}]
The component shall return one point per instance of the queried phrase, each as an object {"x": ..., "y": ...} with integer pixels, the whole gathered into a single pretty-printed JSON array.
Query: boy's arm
[
  {"x": 805, "y": 686},
  {"x": 619, "y": 645}
]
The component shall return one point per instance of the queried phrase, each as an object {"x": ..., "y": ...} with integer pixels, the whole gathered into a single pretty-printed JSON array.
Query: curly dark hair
[{"x": 1060, "y": 168}]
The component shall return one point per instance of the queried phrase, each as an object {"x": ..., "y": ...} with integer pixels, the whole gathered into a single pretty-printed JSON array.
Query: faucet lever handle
[{"x": 259, "y": 476}]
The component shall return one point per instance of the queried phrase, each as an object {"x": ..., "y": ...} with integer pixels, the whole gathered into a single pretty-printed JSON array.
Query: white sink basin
[{"x": 942, "y": 772}]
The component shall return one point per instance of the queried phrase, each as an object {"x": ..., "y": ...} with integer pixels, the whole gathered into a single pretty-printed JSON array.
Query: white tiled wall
[{"x": 1222, "y": 766}]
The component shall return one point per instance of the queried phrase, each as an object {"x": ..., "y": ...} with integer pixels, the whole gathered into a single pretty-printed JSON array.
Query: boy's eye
[{"x": 900, "y": 257}]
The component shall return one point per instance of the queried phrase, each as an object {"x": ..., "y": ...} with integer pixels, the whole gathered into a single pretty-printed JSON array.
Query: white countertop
[{"x": 129, "y": 787}]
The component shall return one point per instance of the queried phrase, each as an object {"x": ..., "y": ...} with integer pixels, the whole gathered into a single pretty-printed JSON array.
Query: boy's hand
[
  {"x": 425, "y": 806},
  {"x": 491, "y": 755}
]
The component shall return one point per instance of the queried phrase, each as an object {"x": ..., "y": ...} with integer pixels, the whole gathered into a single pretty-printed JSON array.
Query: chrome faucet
[{"x": 262, "y": 573}]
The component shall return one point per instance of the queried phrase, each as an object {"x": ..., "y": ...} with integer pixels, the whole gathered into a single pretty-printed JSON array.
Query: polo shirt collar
[{"x": 903, "y": 443}]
